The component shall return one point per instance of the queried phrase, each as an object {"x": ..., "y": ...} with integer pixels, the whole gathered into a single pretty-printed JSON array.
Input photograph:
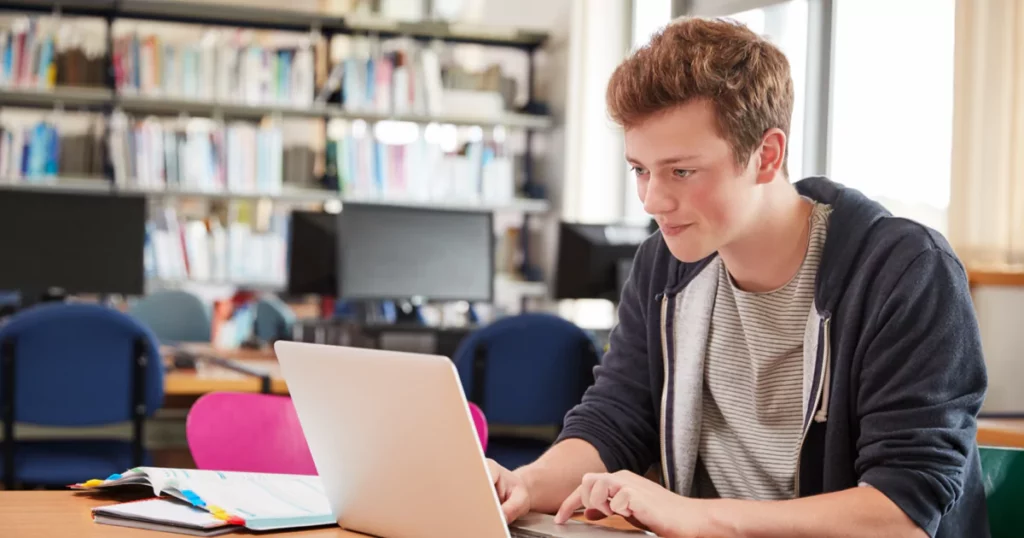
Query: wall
[{"x": 1001, "y": 317}]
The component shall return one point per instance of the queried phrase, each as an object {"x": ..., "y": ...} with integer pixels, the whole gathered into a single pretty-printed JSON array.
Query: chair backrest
[
  {"x": 260, "y": 433},
  {"x": 480, "y": 423},
  {"x": 1003, "y": 472},
  {"x": 82, "y": 354},
  {"x": 174, "y": 316},
  {"x": 528, "y": 369},
  {"x": 274, "y": 319}
]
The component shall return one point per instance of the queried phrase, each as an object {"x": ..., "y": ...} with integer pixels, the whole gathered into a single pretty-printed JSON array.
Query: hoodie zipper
[
  {"x": 664, "y": 388},
  {"x": 824, "y": 355}
]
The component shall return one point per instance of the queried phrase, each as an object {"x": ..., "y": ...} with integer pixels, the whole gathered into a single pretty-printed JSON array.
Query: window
[
  {"x": 649, "y": 16},
  {"x": 785, "y": 25},
  {"x": 892, "y": 104}
]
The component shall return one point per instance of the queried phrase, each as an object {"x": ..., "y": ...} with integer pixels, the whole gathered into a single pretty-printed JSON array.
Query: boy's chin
[{"x": 688, "y": 250}]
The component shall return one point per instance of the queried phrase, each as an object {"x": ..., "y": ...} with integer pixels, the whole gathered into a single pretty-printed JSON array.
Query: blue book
[
  {"x": 38, "y": 145},
  {"x": 53, "y": 151},
  {"x": 9, "y": 57},
  {"x": 45, "y": 59}
]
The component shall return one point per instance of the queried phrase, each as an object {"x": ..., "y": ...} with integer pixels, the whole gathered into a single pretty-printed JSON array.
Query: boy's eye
[
  {"x": 638, "y": 171},
  {"x": 679, "y": 172}
]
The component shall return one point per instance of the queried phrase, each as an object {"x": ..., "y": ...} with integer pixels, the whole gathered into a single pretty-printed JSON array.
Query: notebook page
[
  {"x": 163, "y": 511},
  {"x": 257, "y": 495}
]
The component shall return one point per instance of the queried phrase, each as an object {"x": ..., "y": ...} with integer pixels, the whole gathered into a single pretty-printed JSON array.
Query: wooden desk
[
  {"x": 210, "y": 378},
  {"x": 1001, "y": 432},
  {"x": 1003, "y": 276},
  {"x": 28, "y": 514},
  {"x": 25, "y": 514}
]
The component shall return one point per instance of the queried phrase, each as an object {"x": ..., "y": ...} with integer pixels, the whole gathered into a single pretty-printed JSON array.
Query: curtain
[{"x": 986, "y": 210}]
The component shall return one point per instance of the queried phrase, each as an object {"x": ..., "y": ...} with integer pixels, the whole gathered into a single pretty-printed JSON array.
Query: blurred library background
[{"x": 435, "y": 176}]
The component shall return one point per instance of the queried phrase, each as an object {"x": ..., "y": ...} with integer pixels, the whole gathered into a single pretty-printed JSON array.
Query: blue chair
[
  {"x": 525, "y": 370},
  {"x": 75, "y": 365},
  {"x": 174, "y": 316},
  {"x": 274, "y": 319}
]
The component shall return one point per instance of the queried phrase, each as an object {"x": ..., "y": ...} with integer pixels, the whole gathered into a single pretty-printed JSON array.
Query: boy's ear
[{"x": 772, "y": 155}]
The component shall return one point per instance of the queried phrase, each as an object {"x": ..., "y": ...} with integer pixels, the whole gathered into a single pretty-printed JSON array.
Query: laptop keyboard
[{"x": 523, "y": 533}]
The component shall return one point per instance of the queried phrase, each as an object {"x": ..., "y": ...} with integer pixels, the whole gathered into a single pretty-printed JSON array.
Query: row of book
[
  {"x": 38, "y": 53},
  {"x": 390, "y": 76},
  {"x": 38, "y": 147},
  {"x": 426, "y": 166},
  {"x": 221, "y": 67},
  {"x": 197, "y": 154},
  {"x": 232, "y": 250}
]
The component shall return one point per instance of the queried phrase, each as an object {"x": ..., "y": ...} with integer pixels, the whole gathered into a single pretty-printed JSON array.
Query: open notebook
[
  {"x": 257, "y": 501},
  {"x": 167, "y": 515}
]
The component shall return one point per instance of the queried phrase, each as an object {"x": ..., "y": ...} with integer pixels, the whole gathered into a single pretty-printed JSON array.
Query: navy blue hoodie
[{"x": 893, "y": 379}]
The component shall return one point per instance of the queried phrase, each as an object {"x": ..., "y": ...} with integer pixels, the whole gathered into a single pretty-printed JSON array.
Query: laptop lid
[{"x": 393, "y": 441}]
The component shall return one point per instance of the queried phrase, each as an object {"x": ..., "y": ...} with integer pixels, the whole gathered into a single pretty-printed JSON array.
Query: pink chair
[{"x": 229, "y": 431}]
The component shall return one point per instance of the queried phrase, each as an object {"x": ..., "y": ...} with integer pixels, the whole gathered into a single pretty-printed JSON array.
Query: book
[
  {"x": 256, "y": 501},
  {"x": 164, "y": 515}
]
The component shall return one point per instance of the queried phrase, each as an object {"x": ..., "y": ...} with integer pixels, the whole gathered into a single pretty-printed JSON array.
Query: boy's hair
[{"x": 744, "y": 76}]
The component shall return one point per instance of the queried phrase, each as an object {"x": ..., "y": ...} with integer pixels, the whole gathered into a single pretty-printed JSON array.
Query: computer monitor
[
  {"x": 594, "y": 259},
  {"x": 79, "y": 243},
  {"x": 392, "y": 252},
  {"x": 313, "y": 254}
]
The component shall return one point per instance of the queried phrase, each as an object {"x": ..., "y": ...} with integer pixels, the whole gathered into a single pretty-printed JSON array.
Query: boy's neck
[{"x": 770, "y": 254}]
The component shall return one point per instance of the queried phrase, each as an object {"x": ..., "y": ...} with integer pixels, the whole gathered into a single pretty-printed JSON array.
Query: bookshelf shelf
[
  {"x": 523, "y": 121},
  {"x": 169, "y": 106},
  {"x": 98, "y": 98},
  {"x": 68, "y": 97},
  {"x": 69, "y": 185},
  {"x": 294, "y": 195}
]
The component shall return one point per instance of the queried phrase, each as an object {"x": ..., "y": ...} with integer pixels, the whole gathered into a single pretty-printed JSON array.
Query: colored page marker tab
[
  {"x": 114, "y": 476},
  {"x": 235, "y": 520},
  {"x": 92, "y": 483},
  {"x": 192, "y": 497}
]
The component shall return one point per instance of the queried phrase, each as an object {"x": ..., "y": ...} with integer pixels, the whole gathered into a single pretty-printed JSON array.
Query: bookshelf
[
  {"x": 113, "y": 101},
  {"x": 98, "y": 99},
  {"x": 99, "y": 185},
  {"x": 280, "y": 19}
]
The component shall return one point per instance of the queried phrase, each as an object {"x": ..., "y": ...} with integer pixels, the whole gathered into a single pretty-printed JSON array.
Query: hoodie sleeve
[
  {"x": 922, "y": 383},
  {"x": 617, "y": 415}
]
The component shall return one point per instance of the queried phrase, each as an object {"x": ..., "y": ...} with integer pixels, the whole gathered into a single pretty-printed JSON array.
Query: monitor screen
[
  {"x": 387, "y": 252},
  {"x": 82, "y": 243},
  {"x": 594, "y": 259},
  {"x": 313, "y": 254}
]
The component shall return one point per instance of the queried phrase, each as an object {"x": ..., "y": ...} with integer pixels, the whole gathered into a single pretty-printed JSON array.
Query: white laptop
[{"x": 395, "y": 446}]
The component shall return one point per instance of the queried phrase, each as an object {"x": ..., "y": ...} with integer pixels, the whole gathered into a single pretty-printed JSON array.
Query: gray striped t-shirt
[{"x": 753, "y": 382}]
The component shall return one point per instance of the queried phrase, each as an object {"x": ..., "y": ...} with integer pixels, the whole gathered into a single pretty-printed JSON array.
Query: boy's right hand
[{"x": 512, "y": 492}]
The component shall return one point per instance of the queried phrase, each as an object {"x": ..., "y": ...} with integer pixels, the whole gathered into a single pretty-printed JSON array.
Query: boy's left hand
[{"x": 642, "y": 502}]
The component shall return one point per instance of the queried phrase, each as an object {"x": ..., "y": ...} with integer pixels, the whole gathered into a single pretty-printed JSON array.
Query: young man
[{"x": 792, "y": 359}]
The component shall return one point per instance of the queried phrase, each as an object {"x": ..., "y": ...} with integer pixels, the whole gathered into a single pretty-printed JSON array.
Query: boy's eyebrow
[{"x": 666, "y": 160}]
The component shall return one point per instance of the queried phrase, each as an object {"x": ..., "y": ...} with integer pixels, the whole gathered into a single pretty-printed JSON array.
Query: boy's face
[{"x": 688, "y": 180}]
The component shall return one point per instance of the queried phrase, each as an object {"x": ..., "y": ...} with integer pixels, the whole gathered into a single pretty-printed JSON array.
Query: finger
[
  {"x": 620, "y": 503},
  {"x": 500, "y": 486},
  {"x": 494, "y": 470},
  {"x": 599, "y": 494},
  {"x": 517, "y": 504},
  {"x": 571, "y": 503}
]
